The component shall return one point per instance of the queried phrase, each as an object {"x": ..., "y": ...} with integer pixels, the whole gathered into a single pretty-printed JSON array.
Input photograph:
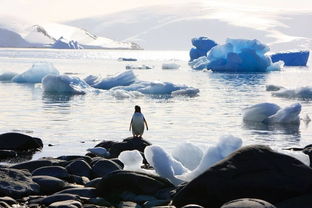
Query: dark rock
[
  {"x": 103, "y": 167},
  {"x": 58, "y": 197},
  {"x": 49, "y": 184},
  {"x": 66, "y": 204},
  {"x": 247, "y": 203},
  {"x": 118, "y": 182},
  {"x": 94, "y": 182},
  {"x": 116, "y": 160},
  {"x": 9, "y": 200},
  {"x": 82, "y": 180},
  {"x": 100, "y": 201},
  {"x": 128, "y": 204},
  {"x": 79, "y": 168},
  {"x": 196, "y": 206},
  {"x": 131, "y": 143},
  {"x": 4, "y": 205},
  {"x": 55, "y": 171},
  {"x": 16, "y": 183},
  {"x": 5, "y": 154},
  {"x": 253, "y": 171},
  {"x": 32, "y": 165},
  {"x": 75, "y": 157},
  {"x": 19, "y": 142},
  {"x": 155, "y": 203},
  {"x": 140, "y": 199},
  {"x": 303, "y": 201},
  {"x": 106, "y": 144},
  {"x": 73, "y": 185},
  {"x": 88, "y": 192}
]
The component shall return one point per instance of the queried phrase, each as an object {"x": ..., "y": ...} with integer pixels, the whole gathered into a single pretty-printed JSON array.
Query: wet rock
[
  {"x": 255, "y": 171},
  {"x": 49, "y": 184},
  {"x": 5, "y": 154},
  {"x": 32, "y": 165},
  {"x": 88, "y": 192},
  {"x": 140, "y": 199},
  {"x": 75, "y": 157},
  {"x": 94, "y": 182},
  {"x": 16, "y": 183},
  {"x": 128, "y": 204},
  {"x": 100, "y": 201},
  {"x": 303, "y": 201},
  {"x": 58, "y": 197},
  {"x": 4, "y": 205},
  {"x": 79, "y": 168},
  {"x": 66, "y": 204},
  {"x": 103, "y": 167},
  {"x": 247, "y": 203},
  {"x": 198, "y": 206},
  {"x": 107, "y": 144},
  {"x": 131, "y": 143},
  {"x": 19, "y": 142},
  {"x": 81, "y": 180},
  {"x": 119, "y": 182},
  {"x": 156, "y": 203},
  {"x": 54, "y": 171},
  {"x": 8, "y": 200}
]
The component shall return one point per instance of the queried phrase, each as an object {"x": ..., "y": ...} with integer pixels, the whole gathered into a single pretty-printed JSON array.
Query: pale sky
[{"x": 65, "y": 10}]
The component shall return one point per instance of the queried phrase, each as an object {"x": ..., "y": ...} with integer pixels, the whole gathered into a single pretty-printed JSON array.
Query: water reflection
[{"x": 238, "y": 80}]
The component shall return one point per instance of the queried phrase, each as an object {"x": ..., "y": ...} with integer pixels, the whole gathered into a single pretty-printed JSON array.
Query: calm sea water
[{"x": 74, "y": 123}]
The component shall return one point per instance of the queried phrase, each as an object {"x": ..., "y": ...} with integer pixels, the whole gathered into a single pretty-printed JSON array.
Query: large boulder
[
  {"x": 103, "y": 167},
  {"x": 16, "y": 183},
  {"x": 79, "y": 168},
  {"x": 19, "y": 142},
  {"x": 49, "y": 184},
  {"x": 32, "y": 165},
  {"x": 131, "y": 143},
  {"x": 248, "y": 203},
  {"x": 251, "y": 172},
  {"x": 54, "y": 171},
  {"x": 117, "y": 182}
]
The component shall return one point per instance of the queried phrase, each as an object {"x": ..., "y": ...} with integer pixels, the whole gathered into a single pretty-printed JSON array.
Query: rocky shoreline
[{"x": 253, "y": 176}]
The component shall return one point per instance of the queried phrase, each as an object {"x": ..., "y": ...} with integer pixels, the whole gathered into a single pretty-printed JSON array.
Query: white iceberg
[
  {"x": 271, "y": 113},
  {"x": 121, "y": 79},
  {"x": 64, "y": 84},
  {"x": 36, "y": 73}
]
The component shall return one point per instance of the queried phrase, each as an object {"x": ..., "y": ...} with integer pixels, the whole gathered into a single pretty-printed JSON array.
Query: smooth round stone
[
  {"x": 248, "y": 203},
  {"x": 192, "y": 206},
  {"x": 66, "y": 204},
  {"x": 32, "y": 165},
  {"x": 54, "y": 171},
  {"x": 79, "y": 168},
  {"x": 49, "y": 184},
  {"x": 103, "y": 167}
]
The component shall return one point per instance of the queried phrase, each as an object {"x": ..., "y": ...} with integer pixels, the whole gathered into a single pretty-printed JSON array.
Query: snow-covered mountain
[
  {"x": 173, "y": 26},
  {"x": 21, "y": 34}
]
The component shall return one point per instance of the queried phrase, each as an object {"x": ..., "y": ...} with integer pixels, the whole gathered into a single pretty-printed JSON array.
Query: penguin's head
[{"x": 137, "y": 109}]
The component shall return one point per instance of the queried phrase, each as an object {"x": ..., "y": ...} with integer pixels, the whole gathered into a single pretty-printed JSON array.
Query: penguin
[{"x": 137, "y": 123}]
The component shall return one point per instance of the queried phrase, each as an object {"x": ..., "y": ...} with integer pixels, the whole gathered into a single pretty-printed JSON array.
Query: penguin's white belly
[{"x": 137, "y": 125}]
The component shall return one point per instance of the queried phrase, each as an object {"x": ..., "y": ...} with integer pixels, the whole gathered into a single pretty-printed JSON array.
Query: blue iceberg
[
  {"x": 202, "y": 46},
  {"x": 298, "y": 58},
  {"x": 237, "y": 55},
  {"x": 62, "y": 43}
]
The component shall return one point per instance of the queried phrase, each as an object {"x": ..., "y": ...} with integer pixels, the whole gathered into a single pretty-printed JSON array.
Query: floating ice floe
[
  {"x": 237, "y": 55},
  {"x": 7, "y": 76},
  {"x": 122, "y": 79},
  {"x": 170, "y": 66},
  {"x": 140, "y": 67},
  {"x": 304, "y": 93},
  {"x": 201, "y": 46},
  {"x": 295, "y": 58},
  {"x": 64, "y": 84},
  {"x": 36, "y": 73},
  {"x": 123, "y": 94},
  {"x": 159, "y": 88},
  {"x": 273, "y": 87},
  {"x": 271, "y": 113}
]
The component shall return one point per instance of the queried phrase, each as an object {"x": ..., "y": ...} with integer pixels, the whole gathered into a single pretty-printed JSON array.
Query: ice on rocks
[
  {"x": 36, "y": 73},
  {"x": 132, "y": 160}
]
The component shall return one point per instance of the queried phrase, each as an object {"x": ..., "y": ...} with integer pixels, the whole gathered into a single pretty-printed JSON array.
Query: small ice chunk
[
  {"x": 188, "y": 154},
  {"x": 200, "y": 63},
  {"x": 7, "y": 76},
  {"x": 36, "y": 73},
  {"x": 127, "y": 59},
  {"x": 259, "y": 112},
  {"x": 64, "y": 84},
  {"x": 273, "y": 87},
  {"x": 122, "y": 79},
  {"x": 140, "y": 67},
  {"x": 132, "y": 160},
  {"x": 189, "y": 92},
  {"x": 287, "y": 115},
  {"x": 123, "y": 94},
  {"x": 304, "y": 93},
  {"x": 63, "y": 43},
  {"x": 170, "y": 66}
]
